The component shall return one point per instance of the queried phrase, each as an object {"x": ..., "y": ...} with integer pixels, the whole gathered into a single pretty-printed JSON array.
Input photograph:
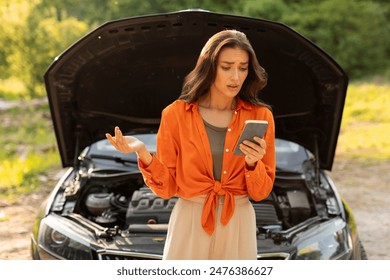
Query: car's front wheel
[{"x": 363, "y": 253}]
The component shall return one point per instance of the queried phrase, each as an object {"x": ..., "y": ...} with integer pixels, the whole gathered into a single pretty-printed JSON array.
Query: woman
[{"x": 213, "y": 217}]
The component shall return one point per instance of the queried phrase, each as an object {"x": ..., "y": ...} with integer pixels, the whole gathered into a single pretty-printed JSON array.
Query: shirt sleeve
[
  {"x": 160, "y": 174},
  {"x": 260, "y": 180}
]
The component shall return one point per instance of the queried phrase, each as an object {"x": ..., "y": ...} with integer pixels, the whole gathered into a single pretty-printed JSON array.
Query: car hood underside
[{"x": 126, "y": 71}]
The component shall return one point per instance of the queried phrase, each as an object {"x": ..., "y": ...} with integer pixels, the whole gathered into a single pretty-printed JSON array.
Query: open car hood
[{"x": 126, "y": 71}]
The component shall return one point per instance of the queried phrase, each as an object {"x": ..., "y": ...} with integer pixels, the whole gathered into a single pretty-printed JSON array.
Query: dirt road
[{"x": 365, "y": 187}]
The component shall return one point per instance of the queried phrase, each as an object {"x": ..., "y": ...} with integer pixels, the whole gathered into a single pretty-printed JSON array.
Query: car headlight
[
  {"x": 328, "y": 241},
  {"x": 59, "y": 241}
]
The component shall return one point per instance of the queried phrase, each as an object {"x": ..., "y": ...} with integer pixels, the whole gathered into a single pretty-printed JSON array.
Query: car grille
[
  {"x": 127, "y": 256},
  {"x": 139, "y": 256},
  {"x": 273, "y": 256}
]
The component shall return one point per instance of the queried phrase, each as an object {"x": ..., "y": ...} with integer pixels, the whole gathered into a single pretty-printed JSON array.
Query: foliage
[
  {"x": 31, "y": 40},
  {"x": 351, "y": 31},
  {"x": 267, "y": 9},
  {"x": 354, "y": 32},
  {"x": 48, "y": 35},
  {"x": 92, "y": 13},
  {"x": 13, "y": 16}
]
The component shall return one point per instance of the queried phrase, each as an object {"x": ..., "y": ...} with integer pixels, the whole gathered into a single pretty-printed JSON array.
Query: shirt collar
[
  {"x": 240, "y": 104},
  {"x": 192, "y": 105},
  {"x": 244, "y": 105}
]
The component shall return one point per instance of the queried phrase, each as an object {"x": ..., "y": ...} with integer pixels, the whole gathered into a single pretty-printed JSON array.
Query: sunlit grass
[
  {"x": 28, "y": 150},
  {"x": 12, "y": 89},
  {"x": 366, "y": 141},
  {"x": 24, "y": 175},
  {"x": 367, "y": 102},
  {"x": 365, "y": 129}
]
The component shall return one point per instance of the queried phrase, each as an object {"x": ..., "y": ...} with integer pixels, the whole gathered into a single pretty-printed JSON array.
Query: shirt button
[
  {"x": 248, "y": 176},
  {"x": 224, "y": 172},
  {"x": 229, "y": 129},
  {"x": 227, "y": 150},
  {"x": 235, "y": 112}
]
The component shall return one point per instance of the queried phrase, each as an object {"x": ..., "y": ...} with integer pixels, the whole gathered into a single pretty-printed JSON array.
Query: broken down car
[{"x": 101, "y": 208}]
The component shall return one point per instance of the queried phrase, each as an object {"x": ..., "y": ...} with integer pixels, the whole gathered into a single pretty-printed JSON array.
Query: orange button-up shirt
[{"x": 183, "y": 165}]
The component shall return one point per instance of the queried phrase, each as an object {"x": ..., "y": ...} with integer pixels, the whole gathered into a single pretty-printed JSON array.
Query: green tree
[
  {"x": 267, "y": 9},
  {"x": 49, "y": 38},
  {"x": 93, "y": 12},
  {"x": 37, "y": 39},
  {"x": 128, "y": 8},
  {"x": 12, "y": 16},
  {"x": 355, "y": 33}
]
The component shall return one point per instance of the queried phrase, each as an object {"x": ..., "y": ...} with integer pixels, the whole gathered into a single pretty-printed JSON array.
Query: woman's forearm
[{"x": 145, "y": 156}]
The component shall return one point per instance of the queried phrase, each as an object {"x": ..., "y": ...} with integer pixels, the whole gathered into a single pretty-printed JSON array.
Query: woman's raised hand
[
  {"x": 130, "y": 144},
  {"x": 124, "y": 144}
]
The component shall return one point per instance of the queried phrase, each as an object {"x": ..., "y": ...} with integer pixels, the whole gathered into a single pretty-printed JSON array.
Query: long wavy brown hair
[{"x": 200, "y": 79}]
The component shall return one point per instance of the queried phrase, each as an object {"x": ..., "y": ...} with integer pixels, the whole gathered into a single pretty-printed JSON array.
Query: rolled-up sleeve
[{"x": 160, "y": 174}]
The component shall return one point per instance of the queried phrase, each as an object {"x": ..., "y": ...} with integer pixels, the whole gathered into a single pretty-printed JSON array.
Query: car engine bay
[{"x": 124, "y": 202}]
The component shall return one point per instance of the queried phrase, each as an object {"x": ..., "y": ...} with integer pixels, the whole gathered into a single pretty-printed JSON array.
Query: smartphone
[{"x": 251, "y": 129}]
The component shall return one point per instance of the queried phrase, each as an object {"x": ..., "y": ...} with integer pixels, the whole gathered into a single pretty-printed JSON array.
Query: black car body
[{"x": 123, "y": 74}]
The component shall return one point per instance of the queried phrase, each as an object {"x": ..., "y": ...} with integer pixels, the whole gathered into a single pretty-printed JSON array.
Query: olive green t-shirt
[{"x": 217, "y": 142}]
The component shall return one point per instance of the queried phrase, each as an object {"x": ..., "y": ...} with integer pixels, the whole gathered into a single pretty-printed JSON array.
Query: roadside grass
[
  {"x": 365, "y": 128},
  {"x": 29, "y": 152},
  {"x": 12, "y": 89}
]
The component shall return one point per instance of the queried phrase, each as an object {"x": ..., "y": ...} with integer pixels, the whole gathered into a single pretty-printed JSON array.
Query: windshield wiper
[
  {"x": 113, "y": 158},
  {"x": 287, "y": 171}
]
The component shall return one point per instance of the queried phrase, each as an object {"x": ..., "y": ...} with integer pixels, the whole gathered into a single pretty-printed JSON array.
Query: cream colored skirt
[{"x": 186, "y": 239}]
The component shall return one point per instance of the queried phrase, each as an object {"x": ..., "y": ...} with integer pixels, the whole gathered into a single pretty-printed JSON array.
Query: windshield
[
  {"x": 104, "y": 148},
  {"x": 290, "y": 156}
]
